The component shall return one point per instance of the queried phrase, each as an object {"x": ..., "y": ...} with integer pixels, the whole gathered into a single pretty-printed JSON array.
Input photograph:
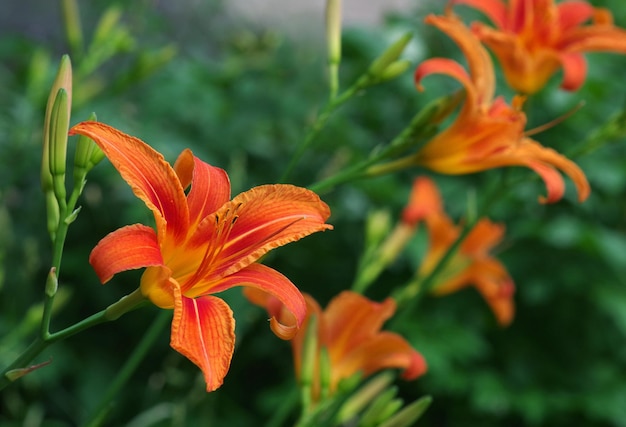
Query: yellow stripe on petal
[{"x": 203, "y": 330}]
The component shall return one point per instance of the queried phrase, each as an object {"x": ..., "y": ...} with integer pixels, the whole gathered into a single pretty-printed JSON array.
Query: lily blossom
[
  {"x": 535, "y": 38},
  {"x": 487, "y": 133},
  {"x": 472, "y": 263},
  {"x": 349, "y": 330},
  {"x": 204, "y": 243}
]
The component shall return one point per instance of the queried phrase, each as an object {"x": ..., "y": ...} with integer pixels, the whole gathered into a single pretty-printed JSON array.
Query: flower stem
[
  {"x": 318, "y": 125},
  {"x": 112, "y": 312}
]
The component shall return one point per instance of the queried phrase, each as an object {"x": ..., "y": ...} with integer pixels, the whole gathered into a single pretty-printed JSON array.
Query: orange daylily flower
[
  {"x": 488, "y": 133},
  {"x": 535, "y": 38},
  {"x": 204, "y": 243},
  {"x": 350, "y": 331},
  {"x": 471, "y": 264}
]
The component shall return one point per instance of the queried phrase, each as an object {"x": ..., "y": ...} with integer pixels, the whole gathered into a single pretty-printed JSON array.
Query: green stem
[
  {"x": 57, "y": 254},
  {"x": 112, "y": 312},
  {"x": 139, "y": 353},
  {"x": 318, "y": 125}
]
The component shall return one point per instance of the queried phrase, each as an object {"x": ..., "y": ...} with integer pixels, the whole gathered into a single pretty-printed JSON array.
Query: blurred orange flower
[
  {"x": 535, "y": 38},
  {"x": 488, "y": 133},
  {"x": 471, "y": 264},
  {"x": 350, "y": 331},
  {"x": 204, "y": 243}
]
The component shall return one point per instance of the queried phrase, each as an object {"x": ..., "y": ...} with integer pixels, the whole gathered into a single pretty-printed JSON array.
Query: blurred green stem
[
  {"x": 318, "y": 125},
  {"x": 98, "y": 416},
  {"x": 112, "y": 312}
]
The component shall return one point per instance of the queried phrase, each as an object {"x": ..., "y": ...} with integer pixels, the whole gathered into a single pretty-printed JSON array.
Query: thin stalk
[
  {"x": 318, "y": 125},
  {"x": 112, "y": 312}
]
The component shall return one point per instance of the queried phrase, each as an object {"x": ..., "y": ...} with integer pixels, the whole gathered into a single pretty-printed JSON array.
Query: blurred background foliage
[{"x": 240, "y": 94}]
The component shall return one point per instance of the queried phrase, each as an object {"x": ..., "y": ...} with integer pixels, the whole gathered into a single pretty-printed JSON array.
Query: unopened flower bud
[
  {"x": 410, "y": 414},
  {"x": 390, "y": 56}
]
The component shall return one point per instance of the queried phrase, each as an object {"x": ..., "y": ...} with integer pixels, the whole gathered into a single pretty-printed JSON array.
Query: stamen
[{"x": 556, "y": 121}]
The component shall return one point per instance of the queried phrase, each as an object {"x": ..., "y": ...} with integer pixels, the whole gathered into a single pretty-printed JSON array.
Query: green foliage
[{"x": 241, "y": 99}]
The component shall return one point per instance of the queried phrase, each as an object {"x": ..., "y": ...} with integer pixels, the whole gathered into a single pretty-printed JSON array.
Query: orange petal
[
  {"x": 350, "y": 318},
  {"x": 478, "y": 59},
  {"x": 574, "y": 71},
  {"x": 383, "y": 351},
  {"x": 272, "y": 283},
  {"x": 494, "y": 9},
  {"x": 573, "y": 13},
  {"x": 210, "y": 190},
  {"x": 127, "y": 248},
  {"x": 151, "y": 178},
  {"x": 496, "y": 286},
  {"x": 256, "y": 222},
  {"x": 424, "y": 201},
  {"x": 203, "y": 330}
]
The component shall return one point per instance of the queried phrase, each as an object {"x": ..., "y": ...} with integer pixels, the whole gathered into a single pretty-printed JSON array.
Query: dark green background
[{"x": 240, "y": 95}]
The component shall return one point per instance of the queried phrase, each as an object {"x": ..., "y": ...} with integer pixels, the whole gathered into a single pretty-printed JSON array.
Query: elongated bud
[
  {"x": 391, "y": 55},
  {"x": 410, "y": 414},
  {"x": 73, "y": 29},
  {"x": 63, "y": 80},
  {"x": 59, "y": 126},
  {"x": 333, "y": 40},
  {"x": 362, "y": 398},
  {"x": 395, "y": 69},
  {"x": 325, "y": 372},
  {"x": 309, "y": 353},
  {"x": 333, "y": 30},
  {"x": 372, "y": 416},
  {"x": 87, "y": 155}
]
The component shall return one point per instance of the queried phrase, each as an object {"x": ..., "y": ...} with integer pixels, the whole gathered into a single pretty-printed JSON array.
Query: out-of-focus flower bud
[
  {"x": 87, "y": 155},
  {"x": 52, "y": 283},
  {"x": 395, "y": 69},
  {"x": 362, "y": 398},
  {"x": 390, "y": 56},
  {"x": 410, "y": 414}
]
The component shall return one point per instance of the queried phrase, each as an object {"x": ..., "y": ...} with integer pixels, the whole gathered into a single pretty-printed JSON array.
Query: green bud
[
  {"x": 325, "y": 372},
  {"x": 395, "y": 69},
  {"x": 63, "y": 80},
  {"x": 410, "y": 414},
  {"x": 390, "y": 56},
  {"x": 85, "y": 148},
  {"x": 333, "y": 30},
  {"x": 72, "y": 217},
  {"x": 59, "y": 126},
  {"x": 52, "y": 283},
  {"x": 364, "y": 396},
  {"x": 372, "y": 416},
  {"x": 377, "y": 227},
  {"x": 53, "y": 213},
  {"x": 309, "y": 353},
  {"x": 73, "y": 30}
]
